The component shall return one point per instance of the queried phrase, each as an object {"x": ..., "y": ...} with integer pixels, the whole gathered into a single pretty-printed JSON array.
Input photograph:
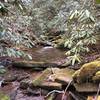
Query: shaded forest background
[{"x": 27, "y": 23}]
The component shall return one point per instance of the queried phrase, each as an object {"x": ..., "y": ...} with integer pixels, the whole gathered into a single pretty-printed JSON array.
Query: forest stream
[
  {"x": 11, "y": 80},
  {"x": 39, "y": 54},
  {"x": 49, "y": 49}
]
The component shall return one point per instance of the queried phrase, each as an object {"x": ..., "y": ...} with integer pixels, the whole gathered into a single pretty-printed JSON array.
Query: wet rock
[
  {"x": 51, "y": 86},
  {"x": 86, "y": 87},
  {"x": 53, "y": 78},
  {"x": 44, "y": 82},
  {"x": 33, "y": 64},
  {"x": 64, "y": 76},
  {"x": 42, "y": 77},
  {"x": 96, "y": 77}
]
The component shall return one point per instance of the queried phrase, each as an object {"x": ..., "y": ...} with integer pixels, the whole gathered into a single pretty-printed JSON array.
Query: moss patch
[
  {"x": 4, "y": 97},
  {"x": 96, "y": 78},
  {"x": 86, "y": 72},
  {"x": 41, "y": 78}
]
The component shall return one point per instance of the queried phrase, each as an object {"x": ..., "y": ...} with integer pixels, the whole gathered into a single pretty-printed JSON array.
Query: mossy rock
[
  {"x": 43, "y": 81},
  {"x": 41, "y": 78},
  {"x": 86, "y": 72},
  {"x": 53, "y": 78},
  {"x": 96, "y": 78}
]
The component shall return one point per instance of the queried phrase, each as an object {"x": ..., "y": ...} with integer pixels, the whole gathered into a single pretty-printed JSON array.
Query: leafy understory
[
  {"x": 81, "y": 34},
  {"x": 15, "y": 40}
]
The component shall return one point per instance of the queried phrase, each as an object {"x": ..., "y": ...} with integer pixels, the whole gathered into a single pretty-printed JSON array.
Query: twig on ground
[
  {"x": 73, "y": 95},
  {"x": 97, "y": 92},
  {"x": 57, "y": 91},
  {"x": 66, "y": 90}
]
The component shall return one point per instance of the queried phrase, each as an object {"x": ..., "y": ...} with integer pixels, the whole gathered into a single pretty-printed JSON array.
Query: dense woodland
[{"x": 49, "y": 49}]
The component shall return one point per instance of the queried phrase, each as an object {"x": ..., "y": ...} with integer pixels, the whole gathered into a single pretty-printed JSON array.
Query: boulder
[
  {"x": 49, "y": 79},
  {"x": 86, "y": 87},
  {"x": 53, "y": 78},
  {"x": 87, "y": 72},
  {"x": 96, "y": 77}
]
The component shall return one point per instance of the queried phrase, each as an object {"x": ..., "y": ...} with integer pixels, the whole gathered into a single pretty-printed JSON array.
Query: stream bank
[{"x": 16, "y": 81}]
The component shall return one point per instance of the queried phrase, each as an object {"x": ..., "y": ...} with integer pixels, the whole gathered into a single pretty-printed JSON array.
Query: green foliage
[
  {"x": 20, "y": 5},
  {"x": 15, "y": 40},
  {"x": 16, "y": 53},
  {"x": 3, "y": 8},
  {"x": 2, "y": 71},
  {"x": 81, "y": 28},
  {"x": 11, "y": 39},
  {"x": 12, "y": 52},
  {"x": 97, "y": 1}
]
